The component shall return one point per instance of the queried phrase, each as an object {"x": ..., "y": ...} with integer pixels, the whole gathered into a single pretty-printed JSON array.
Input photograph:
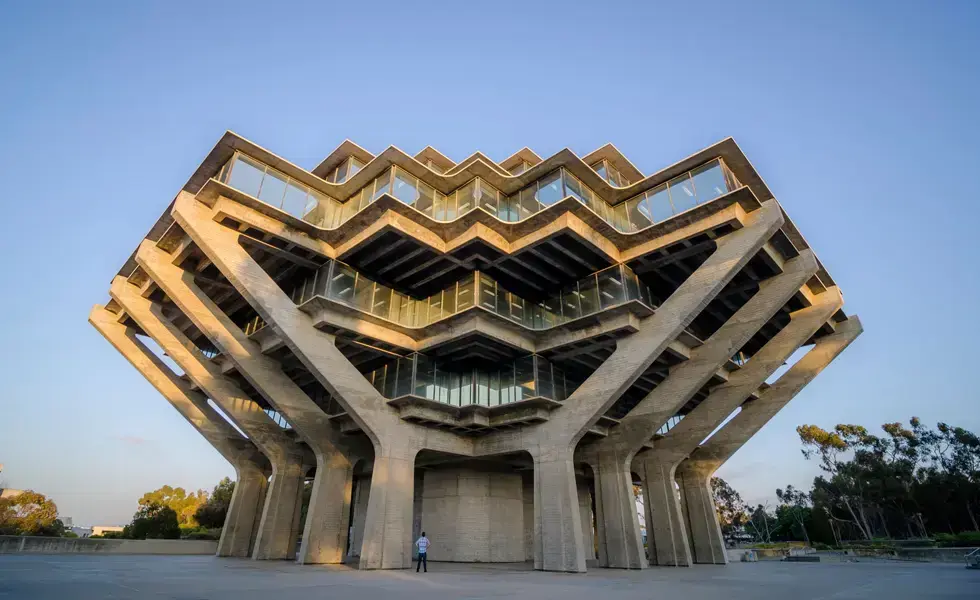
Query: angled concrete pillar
[
  {"x": 328, "y": 514},
  {"x": 289, "y": 464},
  {"x": 614, "y": 454},
  {"x": 585, "y": 510},
  {"x": 251, "y": 467},
  {"x": 633, "y": 355},
  {"x": 669, "y": 450},
  {"x": 387, "y": 542},
  {"x": 694, "y": 474}
]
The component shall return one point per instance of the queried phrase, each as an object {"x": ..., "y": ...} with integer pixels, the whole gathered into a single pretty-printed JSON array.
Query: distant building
[{"x": 101, "y": 529}]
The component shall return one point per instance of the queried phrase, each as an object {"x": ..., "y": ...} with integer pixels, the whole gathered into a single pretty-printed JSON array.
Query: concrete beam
[
  {"x": 326, "y": 527},
  {"x": 388, "y": 527},
  {"x": 669, "y": 450},
  {"x": 612, "y": 457},
  {"x": 252, "y": 469},
  {"x": 288, "y": 459},
  {"x": 694, "y": 474}
]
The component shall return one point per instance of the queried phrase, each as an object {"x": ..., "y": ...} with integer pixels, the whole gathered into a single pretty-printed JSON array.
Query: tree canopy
[
  {"x": 183, "y": 504},
  {"x": 29, "y": 513}
]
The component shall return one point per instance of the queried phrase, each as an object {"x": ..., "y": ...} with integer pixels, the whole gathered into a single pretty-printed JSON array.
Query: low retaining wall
[
  {"x": 915, "y": 554},
  {"x": 15, "y": 544}
]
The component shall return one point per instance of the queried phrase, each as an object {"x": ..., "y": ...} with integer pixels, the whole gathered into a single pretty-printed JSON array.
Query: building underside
[{"x": 495, "y": 353}]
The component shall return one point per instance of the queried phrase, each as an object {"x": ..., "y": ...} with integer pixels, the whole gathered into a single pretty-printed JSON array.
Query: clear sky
[{"x": 861, "y": 116}]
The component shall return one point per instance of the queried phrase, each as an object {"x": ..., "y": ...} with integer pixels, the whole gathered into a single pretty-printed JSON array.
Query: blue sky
[{"x": 860, "y": 116}]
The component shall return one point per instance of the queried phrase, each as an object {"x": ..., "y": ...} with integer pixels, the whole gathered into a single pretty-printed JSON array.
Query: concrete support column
[
  {"x": 274, "y": 540},
  {"x": 557, "y": 522},
  {"x": 247, "y": 501},
  {"x": 251, "y": 467},
  {"x": 326, "y": 527},
  {"x": 618, "y": 526},
  {"x": 706, "y": 540},
  {"x": 388, "y": 524},
  {"x": 585, "y": 511},
  {"x": 666, "y": 534}
]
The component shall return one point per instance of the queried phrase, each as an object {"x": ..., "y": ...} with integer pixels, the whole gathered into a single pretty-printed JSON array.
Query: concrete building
[{"x": 492, "y": 352}]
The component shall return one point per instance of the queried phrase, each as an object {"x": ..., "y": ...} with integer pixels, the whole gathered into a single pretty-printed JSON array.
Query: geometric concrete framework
[
  {"x": 252, "y": 469},
  {"x": 493, "y": 352}
]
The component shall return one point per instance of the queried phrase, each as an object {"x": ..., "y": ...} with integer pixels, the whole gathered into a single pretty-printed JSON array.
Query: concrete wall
[
  {"x": 473, "y": 515},
  {"x": 527, "y": 481},
  {"x": 585, "y": 512},
  {"x": 13, "y": 544}
]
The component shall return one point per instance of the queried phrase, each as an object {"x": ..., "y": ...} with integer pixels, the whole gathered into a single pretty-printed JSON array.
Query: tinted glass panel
[
  {"x": 246, "y": 176},
  {"x": 682, "y": 193},
  {"x": 273, "y": 188},
  {"x": 295, "y": 201},
  {"x": 404, "y": 187},
  {"x": 658, "y": 203},
  {"x": 549, "y": 189},
  {"x": 709, "y": 182}
]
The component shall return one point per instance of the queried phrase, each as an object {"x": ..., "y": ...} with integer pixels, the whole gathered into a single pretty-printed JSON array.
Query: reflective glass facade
[
  {"x": 696, "y": 187},
  {"x": 602, "y": 290},
  {"x": 424, "y": 377}
]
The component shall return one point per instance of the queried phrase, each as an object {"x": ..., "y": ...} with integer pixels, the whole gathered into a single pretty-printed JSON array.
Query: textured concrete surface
[
  {"x": 18, "y": 544},
  {"x": 186, "y": 578}
]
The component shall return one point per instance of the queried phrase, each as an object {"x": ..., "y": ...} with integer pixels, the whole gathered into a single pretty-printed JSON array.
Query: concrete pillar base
[
  {"x": 387, "y": 542},
  {"x": 328, "y": 515},
  {"x": 620, "y": 541},
  {"x": 246, "y": 501},
  {"x": 666, "y": 534},
  {"x": 707, "y": 542},
  {"x": 557, "y": 523},
  {"x": 276, "y": 539}
]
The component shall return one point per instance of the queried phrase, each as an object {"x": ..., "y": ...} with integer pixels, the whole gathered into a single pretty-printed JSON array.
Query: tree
[
  {"x": 760, "y": 524},
  {"x": 153, "y": 521},
  {"x": 729, "y": 506},
  {"x": 796, "y": 505},
  {"x": 211, "y": 514},
  {"x": 29, "y": 513},
  {"x": 177, "y": 499}
]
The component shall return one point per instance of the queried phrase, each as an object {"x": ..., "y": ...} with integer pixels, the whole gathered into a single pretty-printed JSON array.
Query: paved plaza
[{"x": 200, "y": 577}]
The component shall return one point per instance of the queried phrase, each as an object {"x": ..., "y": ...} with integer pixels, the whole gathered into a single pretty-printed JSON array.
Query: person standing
[{"x": 423, "y": 544}]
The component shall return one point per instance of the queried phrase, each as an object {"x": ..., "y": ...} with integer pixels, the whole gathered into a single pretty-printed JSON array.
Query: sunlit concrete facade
[{"x": 495, "y": 353}]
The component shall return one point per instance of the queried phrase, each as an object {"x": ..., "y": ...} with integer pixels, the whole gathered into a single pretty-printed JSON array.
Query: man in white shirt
[{"x": 423, "y": 544}]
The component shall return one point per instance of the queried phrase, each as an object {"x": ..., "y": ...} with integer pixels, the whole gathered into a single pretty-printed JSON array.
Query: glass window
[
  {"x": 424, "y": 377},
  {"x": 466, "y": 198},
  {"x": 403, "y": 385},
  {"x": 638, "y": 213},
  {"x": 588, "y": 292},
  {"x": 342, "y": 284},
  {"x": 620, "y": 218},
  {"x": 658, "y": 203},
  {"x": 516, "y": 306},
  {"x": 381, "y": 303},
  {"x": 382, "y": 185},
  {"x": 488, "y": 289},
  {"x": 341, "y": 175},
  {"x": 611, "y": 288},
  {"x": 404, "y": 187},
  {"x": 363, "y": 290},
  {"x": 426, "y": 198},
  {"x": 574, "y": 188},
  {"x": 559, "y": 377},
  {"x": 549, "y": 189},
  {"x": 464, "y": 294},
  {"x": 483, "y": 388},
  {"x": 295, "y": 200},
  {"x": 486, "y": 196},
  {"x": 528, "y": 205},
  {"x": 246, "y": 175},
  {"x": 466, "y": 388},
  {"x": 273, "y": 188},
  {"x": 524, "y": 378},
  {"x": 709, "y": 182},
  {"x": 508, "y": 211},
  {"x": 682, "y": 193},
  {"x": 435, "y": 308},
  {"x": 570, "y": 308},
  {"x": 600, "y": 168},
  {"x": 355, "y": 166},
  {"x": 544, "y": 381},
  {"x": 632, "y": 285}
]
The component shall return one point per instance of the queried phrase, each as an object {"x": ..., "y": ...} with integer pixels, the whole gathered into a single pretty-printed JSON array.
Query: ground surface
[{"x": 84, "y": 577}]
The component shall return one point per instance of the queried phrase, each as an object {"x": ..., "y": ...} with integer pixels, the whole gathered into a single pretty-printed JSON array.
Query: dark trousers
[{"x": 423, "y": 561}]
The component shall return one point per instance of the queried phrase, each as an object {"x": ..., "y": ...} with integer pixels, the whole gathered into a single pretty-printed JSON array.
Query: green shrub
[
  {"x": 203, "y": 534},
  {"x": 963, "y": 539}
]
